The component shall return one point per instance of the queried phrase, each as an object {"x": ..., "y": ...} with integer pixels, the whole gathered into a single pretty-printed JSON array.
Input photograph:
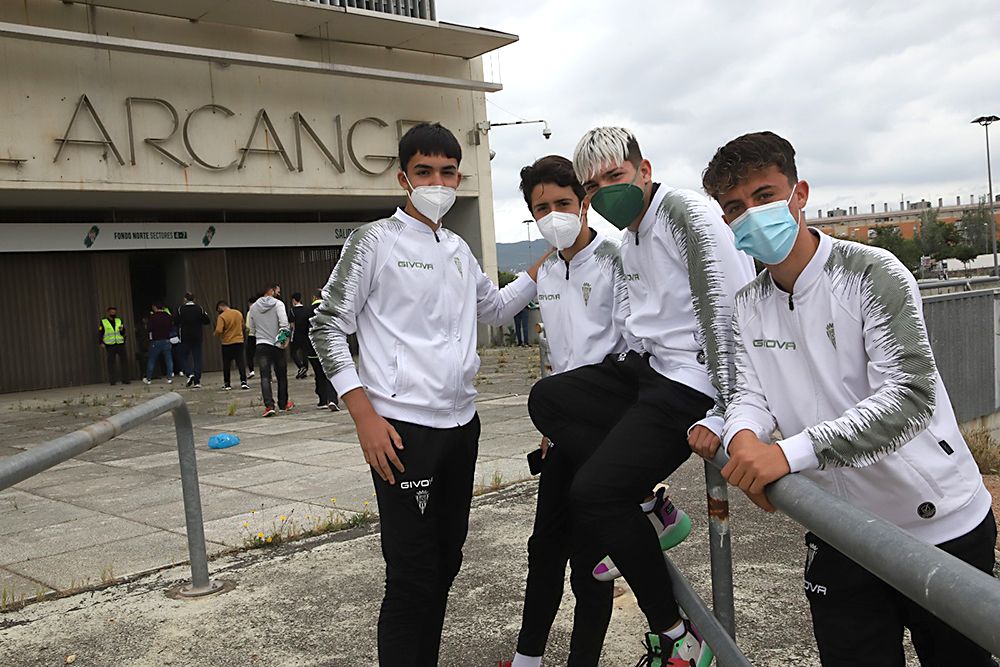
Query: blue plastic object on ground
[{"x": 223, "y": 440}]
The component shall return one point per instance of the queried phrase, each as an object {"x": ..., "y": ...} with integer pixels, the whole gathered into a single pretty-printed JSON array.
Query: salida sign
[{"x": 262, "y": 137}]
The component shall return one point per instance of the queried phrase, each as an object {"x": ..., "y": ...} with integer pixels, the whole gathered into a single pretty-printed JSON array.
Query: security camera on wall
[{"x": 546, "y": 132}]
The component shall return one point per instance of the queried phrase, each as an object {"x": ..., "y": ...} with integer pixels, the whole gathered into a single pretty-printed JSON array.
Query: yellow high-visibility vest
[{"x": 113, "y": 332}]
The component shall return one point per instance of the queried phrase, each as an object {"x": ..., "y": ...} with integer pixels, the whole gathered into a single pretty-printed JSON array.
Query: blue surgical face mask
[{"x": 767, "y": 232}]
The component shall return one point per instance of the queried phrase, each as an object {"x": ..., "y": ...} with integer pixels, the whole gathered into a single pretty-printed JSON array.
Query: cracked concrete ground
[{"x": 312, "y": 602}]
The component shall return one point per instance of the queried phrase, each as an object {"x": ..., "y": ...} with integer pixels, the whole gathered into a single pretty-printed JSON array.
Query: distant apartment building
[{"x": 854, "y": 225}]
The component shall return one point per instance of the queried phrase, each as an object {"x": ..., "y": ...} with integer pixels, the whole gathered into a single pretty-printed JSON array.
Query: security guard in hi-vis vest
[{"x": 112, "y": 339}]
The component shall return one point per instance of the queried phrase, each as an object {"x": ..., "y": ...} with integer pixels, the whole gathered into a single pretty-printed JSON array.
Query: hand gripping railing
[
  {"x": 19, "y": 467},
  {"x": 954, "y": 591}
]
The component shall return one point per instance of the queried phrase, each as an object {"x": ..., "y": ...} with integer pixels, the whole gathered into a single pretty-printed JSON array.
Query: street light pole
[
  {"x": 531, "y": 258},
  {"x": 985, "y": 122}
]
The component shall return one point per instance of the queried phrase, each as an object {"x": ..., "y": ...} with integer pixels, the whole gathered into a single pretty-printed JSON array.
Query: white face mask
[
  {"x": 433, "y": 201},
  {"x": 560, "y": 229}
]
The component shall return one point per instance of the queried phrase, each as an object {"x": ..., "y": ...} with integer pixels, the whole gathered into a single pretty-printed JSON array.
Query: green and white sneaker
[
  {"x": 688, "y": 651},
  {"x": 672, "y": 527}
]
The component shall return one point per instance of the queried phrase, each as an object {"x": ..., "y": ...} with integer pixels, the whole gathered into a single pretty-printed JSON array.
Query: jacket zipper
[
  {"x": 449, "y": 333},
  {"x": 567, "y": 269},
  {"x": 791, "y": 304}
]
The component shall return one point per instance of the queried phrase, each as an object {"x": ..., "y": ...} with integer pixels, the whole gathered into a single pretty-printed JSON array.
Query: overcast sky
[{"x": 876, "y": 97}]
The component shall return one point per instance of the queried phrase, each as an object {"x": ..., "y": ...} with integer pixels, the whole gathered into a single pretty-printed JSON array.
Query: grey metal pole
[
  {"x": 200, "y": 584},
  {"x": 993, "y": 220},
  {"x": 940, "y": 583},
  {"x": 720, "y": 549},
  {"x": 17, "y": 468},
  {"x": 727, "y": 653}
]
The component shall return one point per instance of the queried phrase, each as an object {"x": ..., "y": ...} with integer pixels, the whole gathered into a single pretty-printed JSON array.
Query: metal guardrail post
[
  {"x": 967, "y": 598},
  {"x": 19, "y": 467},
  {"x": 195, "y": 527},
  {"x": 720, "y": 549}
]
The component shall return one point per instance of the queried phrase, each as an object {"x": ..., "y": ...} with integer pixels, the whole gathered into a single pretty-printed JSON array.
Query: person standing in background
[
  {"x": 229, "y": 329},
  {"x": 300, "y": 342},
  {"x": 269, "y": 320},
  {"x": 161, "y": 327},
  {"x": 251, "y": 339},
  {"x": 112, "y": 339},
  {"x": 325, "y": 392},
  {"x": 191, "y": 319}
]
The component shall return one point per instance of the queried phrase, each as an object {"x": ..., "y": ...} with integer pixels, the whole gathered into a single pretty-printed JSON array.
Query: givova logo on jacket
[
  {"x": 586, "y": 293},
  {"x": 770, "y": 343},
  {"x": 407, "y": 264}
]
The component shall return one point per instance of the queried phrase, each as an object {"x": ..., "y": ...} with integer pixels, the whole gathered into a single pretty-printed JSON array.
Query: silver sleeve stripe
[
  {"x": 608, "y": 257},
  {"x": 336, "y": 315},
  {"x": 903, "y": 406},
  {"x": 686, "y": 220}
]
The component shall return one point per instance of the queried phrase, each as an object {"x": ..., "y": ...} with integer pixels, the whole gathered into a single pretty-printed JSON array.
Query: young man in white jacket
[
  {"x": 627, "y": 418},
  {"x": 584, "y": 304},
  {"x": 412, "y": 291},
  {"x": 831, "y": 350}
]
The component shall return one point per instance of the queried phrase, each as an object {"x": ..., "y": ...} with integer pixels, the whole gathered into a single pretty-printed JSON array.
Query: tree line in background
[{"x": 963, "y": 240}]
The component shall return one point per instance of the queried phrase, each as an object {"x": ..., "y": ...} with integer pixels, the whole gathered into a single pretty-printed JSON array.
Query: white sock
[
  {"x": 676, "y": 632},
  {"x": 648, "y": 506},
  {"x": 526, "y": 661}
]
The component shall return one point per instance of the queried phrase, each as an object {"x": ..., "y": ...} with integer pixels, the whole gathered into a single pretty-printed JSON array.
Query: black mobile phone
[{"x": 535, "y": 461}]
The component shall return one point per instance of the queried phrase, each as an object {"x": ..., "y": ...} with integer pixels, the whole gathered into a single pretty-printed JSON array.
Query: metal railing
[
  {"x": 951, "y": 589},
  {"x": 418, "y": 9},
  {"x": 963, "y": 328},
  {"x": 19, "y": 467}
]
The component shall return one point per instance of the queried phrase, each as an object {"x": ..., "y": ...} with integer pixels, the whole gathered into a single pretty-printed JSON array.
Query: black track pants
[
  {"x": 233, "y": 353},
  {"x": 324, "y": 390},
  {"x": 424, "y": 520},
  {"x": 628, "y": 424},
  {"x": 548, "y": 552},
  {"x": 858, "y": 619}
]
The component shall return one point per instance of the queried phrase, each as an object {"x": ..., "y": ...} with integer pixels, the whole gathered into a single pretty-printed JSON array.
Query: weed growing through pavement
[
  {"x": 285, "y": 528},
  {"x": 231, "y": 408}
]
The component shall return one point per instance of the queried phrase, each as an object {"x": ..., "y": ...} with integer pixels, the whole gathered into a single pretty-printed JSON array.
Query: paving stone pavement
[{"x": 117, "y": 510}]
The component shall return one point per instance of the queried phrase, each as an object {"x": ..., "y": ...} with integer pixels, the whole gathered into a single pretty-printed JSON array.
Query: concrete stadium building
[{"x": 152, "y": 147}]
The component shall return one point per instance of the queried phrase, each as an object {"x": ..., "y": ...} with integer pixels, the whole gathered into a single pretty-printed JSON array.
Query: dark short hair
[
  {"x": 297, "y": 296},
  {"x": 428, "y": 139},
  {"x": 188, "y": 296},
  {"x": 221, "y": 303},
  {"x": 318, "y": 294},
  {"x": 268, "y": 287},
  {"x": 733, "y": 162},
  {"x": 550, "y": 169},
  {"x": 112, "y": 307}
]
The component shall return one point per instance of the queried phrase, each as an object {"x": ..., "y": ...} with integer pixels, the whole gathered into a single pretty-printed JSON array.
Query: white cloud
[{"x": 876, "y": 97}]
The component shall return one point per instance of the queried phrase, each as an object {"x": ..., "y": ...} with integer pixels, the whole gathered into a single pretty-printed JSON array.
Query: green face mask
[{"x": 619, "y": 204}]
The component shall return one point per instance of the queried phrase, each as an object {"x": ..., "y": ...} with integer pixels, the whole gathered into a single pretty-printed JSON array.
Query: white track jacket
[
  {"x": 683, "y": 271},
  {"x": 844, "y": 369},
  {"x": 584, "y": 304},
  {"x": 413, "y": 296}
]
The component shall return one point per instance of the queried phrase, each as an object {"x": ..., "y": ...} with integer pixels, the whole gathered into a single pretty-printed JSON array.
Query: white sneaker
[
  {"x": 250, "y": 375},
  {"x": 146, "y": 381},
  {"x": 170, "y": 380}
]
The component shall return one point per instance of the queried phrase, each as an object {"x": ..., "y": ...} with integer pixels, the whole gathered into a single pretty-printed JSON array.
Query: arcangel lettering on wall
[{"x": 262, "y": 138}]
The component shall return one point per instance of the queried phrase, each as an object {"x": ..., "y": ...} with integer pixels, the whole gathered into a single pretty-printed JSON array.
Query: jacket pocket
[
  {"x": 919, "y": 466},
  {"x": 398, "y": 370}
]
